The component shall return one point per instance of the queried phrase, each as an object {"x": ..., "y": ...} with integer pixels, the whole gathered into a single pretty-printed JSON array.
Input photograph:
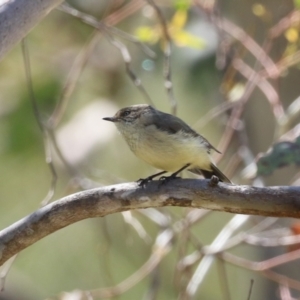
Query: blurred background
[{"x": 234, "y": 66}]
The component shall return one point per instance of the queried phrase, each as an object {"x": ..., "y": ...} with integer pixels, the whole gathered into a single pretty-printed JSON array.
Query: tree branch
[
  {"x": 280, "y": 201},
  {"x": 18, "y": 17}
]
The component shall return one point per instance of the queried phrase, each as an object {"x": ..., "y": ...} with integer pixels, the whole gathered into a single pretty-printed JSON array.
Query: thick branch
[
  {"x": 18, "y": 17},
  {"x": 268, "y": 201}
]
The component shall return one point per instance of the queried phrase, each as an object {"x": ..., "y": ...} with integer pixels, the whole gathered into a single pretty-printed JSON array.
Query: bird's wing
[{"x": 172, "y": 124}]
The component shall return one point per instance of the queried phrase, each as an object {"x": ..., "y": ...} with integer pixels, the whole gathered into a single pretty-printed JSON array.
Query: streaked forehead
[
  {"x": 135, "y": 108},
  {"x": 138, "y": 106}
]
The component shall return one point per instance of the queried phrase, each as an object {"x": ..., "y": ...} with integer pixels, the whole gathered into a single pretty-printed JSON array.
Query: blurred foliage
[
  {"x": 297, "y": 4},
  {"x": 23, "y": 123},
  {"x": 180, "y": 37},
  {"x": 280, "y": 155}
]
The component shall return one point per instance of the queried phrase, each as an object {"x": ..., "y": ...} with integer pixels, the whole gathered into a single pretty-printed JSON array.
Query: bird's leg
[
  {"x": 143, "y": 181},
  {"x": 173, "y": 175}
]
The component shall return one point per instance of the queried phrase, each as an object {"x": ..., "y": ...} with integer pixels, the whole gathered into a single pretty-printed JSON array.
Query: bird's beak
[{"x": 111, "y": 119}]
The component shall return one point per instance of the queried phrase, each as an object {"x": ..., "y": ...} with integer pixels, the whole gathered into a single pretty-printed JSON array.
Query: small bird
[{"x": 165, "y": 142}]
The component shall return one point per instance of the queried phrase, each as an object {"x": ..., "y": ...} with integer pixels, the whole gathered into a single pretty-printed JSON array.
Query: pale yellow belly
[{"x": 168, "y": 153}]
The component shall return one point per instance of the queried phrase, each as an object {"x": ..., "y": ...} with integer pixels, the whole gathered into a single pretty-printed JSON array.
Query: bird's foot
[
  {"x": 143, "y": 181},
  {"x": 166, "y": 179}
]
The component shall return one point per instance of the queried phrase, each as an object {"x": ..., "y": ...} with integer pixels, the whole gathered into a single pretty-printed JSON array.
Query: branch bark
[
  {"x": 18, "y": 17},
  {"x": 280, "y": 201}
]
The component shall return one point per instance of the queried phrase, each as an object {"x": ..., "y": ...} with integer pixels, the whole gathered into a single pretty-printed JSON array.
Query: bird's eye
[{"x": 125, "y": 113}]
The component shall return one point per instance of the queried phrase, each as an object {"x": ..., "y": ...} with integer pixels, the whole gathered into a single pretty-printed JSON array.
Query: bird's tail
[{"x": 208, "y": 174}]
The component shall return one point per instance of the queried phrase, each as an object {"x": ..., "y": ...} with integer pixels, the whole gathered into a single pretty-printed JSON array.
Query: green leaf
[
  {"x": 297, "y": 3},
  {"x": 281, "y": 154},
  {"x": 179, "y": 19},
  {"x": 184, "y": 39},
  {"x": 182, "y": 4},
  {"x": 147, "y": 34}
]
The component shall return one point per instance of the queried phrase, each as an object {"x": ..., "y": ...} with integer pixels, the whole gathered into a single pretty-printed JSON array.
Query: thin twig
[
  {"x": 207, "y": 261},
  {"x": 250, "y": 289},
  {"x": 251, "y": 45},
  {"x": 41, "y": 124},
  {"x": 118, "y": 44},
  {"x": 124, "y": 12},
  {"x": 263, "y": 265},
  {"x": 264, "y": 85},
  {"x": 90, "y": 20},
  {"x": 223, "y": 279},
  {"x": 127, "y": 60},
  {"x": 4, "y": 271},
  {"x": 83, "y": 56},
  {"x": 167, "y": 47},
  {"x": 136, "y": 225},
  {"x": 282, "y": 279},
  {"x": 161, "y": 248},
  {"x": 73, "y": 77},
  {"x": 287, "y": 21}
]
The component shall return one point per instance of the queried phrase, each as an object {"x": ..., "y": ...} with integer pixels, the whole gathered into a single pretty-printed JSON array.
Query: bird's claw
[
  {"x": 163, "y": 179},
  {"x": 143, "y": 181},
  {"x": 166, "y": 179}
]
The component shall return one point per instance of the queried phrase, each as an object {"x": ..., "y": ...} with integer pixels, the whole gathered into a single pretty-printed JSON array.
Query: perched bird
[{"x": 165, "y": 142}]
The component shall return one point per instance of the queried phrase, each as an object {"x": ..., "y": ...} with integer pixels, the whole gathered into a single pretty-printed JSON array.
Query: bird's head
[{"x": 129, "y": 116}]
